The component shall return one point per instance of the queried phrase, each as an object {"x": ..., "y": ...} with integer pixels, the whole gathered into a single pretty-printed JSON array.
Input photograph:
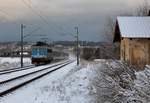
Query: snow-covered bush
[
  {"x": 115, "y": 82},
  {"x": 142, "y": 85}
]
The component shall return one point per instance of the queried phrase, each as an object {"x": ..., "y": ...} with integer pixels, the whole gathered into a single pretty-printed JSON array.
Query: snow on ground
[
  {"x": 102, "y": 81},
  {"x": 70, "y": 84},
  {"x": 5, "y": 77},
  {"x": 8, "y": 62}
]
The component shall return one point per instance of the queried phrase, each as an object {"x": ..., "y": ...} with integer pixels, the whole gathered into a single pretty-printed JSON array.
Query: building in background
[{"x": 133, "y": 33}]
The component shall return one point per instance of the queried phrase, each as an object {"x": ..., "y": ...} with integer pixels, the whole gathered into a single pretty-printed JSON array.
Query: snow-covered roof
[{"x": 134, "y": 27}]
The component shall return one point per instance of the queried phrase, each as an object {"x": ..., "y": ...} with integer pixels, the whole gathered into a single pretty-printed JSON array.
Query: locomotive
[{"x": 41, "y": 53}]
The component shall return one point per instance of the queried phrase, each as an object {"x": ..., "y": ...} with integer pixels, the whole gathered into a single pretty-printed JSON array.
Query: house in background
[{"x": 133, "y": 33}]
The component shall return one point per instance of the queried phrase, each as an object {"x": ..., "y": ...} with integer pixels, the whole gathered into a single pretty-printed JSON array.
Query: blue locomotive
[{"x": 41, "y": 53}]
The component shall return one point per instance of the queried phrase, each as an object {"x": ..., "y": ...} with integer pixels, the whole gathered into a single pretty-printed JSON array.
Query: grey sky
[{"x": 61, "y": 17}]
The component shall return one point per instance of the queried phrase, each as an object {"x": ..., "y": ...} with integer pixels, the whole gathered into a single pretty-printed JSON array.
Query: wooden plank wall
[{"x": 135, "y": 51}]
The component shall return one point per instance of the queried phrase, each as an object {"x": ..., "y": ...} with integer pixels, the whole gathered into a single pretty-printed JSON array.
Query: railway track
[
  {"x": 10, "y": 84},
  {"x": 16, "y": 69}
]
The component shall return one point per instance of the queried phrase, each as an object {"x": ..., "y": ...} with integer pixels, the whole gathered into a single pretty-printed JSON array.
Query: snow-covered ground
[
  {"x": 101, "y": 81},
  {"x": 70, "y": 84},
  {"x": 8, "y": 62},
  {"x": 5, "y": 77}
]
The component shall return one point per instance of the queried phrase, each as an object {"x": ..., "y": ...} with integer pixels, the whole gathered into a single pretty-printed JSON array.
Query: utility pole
[
  {"x": 22, "y": 27},
  {"x": 77, "y": 37}
]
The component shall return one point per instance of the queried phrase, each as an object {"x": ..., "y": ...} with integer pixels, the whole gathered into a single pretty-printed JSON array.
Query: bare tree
[
  {"x": 110, "y": 25},
  {"x": 143, "y": 9}
]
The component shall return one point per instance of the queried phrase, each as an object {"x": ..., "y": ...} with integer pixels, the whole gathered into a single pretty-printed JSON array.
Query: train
[{"x": 42, "y": 53}]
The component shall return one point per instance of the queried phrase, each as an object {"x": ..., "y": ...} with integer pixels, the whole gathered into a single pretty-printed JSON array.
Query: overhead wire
[
  {"x": 39, "y": 13},
  {"x": 35, "y": 12},
  {"x": 31, "y": 33},
  {"x": 7, "y": 16}
]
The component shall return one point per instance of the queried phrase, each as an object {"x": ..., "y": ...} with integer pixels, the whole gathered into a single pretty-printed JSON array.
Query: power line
[
  {"x": 7, "y": 16},
  {"x": 29, "y": 34},
  {"x": 39, "y": 14},
  {"x": 17, "y": 23},
  {"x": 35, "y": 12}
]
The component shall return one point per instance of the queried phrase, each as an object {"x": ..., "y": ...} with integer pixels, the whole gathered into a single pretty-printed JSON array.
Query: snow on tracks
[{"x": 11, "y": 84}]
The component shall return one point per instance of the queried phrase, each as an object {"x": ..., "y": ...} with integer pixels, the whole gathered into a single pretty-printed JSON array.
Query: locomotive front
[{"x": 41, "y": 54}]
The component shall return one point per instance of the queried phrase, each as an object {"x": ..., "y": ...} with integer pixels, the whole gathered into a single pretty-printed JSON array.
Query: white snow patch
[{"x": 8, "y": 62}]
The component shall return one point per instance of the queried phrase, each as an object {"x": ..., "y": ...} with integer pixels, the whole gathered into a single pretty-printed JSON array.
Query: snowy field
[
  {"x": 8, "y": 62},
  {"x": 102, "y": 81}
]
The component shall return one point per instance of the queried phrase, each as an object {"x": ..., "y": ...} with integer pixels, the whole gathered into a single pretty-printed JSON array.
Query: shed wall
[{"x": 135, "y": 51}]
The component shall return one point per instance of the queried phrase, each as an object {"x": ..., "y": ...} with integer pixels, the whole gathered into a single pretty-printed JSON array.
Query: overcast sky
[{"x": 57, "y": 18}]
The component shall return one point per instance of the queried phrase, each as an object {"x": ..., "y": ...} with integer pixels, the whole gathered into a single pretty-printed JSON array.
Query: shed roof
[{"x": 133, "y": 27}]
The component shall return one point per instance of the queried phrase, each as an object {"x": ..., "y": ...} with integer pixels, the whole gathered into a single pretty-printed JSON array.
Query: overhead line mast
[
  {"x": 77, "y": 37},
  {"x": 22, "y": 30}
]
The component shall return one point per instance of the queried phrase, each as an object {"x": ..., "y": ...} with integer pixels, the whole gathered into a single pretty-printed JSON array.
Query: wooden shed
[{"x": 133, "y": 33}]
